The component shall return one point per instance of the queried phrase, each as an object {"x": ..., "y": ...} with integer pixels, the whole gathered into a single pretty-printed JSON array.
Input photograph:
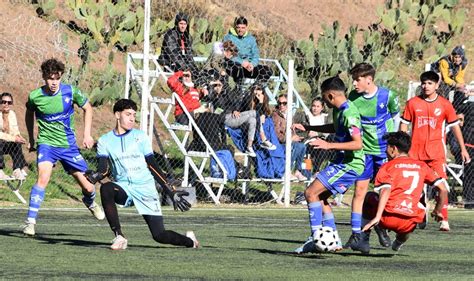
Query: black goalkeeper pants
[{"x": 112, "y": 194}]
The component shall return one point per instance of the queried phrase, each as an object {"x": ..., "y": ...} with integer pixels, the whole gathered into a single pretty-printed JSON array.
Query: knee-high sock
[
  {"x": 328, "y": 220},
  {"x": 315, "y": 215},
  {"x": 88, "y": 197},
  {"x": 356, "y": 221},
  {"x": 36, "y": 198}
]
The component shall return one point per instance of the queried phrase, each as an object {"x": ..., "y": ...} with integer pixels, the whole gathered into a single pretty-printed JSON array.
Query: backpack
[{"x": 227, "y": 159}]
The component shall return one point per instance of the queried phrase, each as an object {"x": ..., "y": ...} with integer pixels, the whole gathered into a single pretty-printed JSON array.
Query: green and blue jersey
[
  {"x": 55, "y": 115},
  {"x": 376, "y": 118}
]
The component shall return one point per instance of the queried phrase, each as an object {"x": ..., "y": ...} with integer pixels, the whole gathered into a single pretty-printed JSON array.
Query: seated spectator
[
  {"x": 246, "y": 63},
  {"x": 298, "y": 149},
  {"x": 10, "y": 139},
  {"x": 182, "y": 84},
  {"x": 237, "y": 113},
  {"x": 262, "y": 108},
  {"x": 176, "y": 50},
  {"x": 221, "y": 56},
  {"x": 452, "y": 69},
  {"x": 318, "y": 117}
]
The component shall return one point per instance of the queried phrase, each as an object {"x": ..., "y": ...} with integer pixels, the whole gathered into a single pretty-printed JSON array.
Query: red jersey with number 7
[
  {"x": 429, "y": 120},
  {"x": 405, "y": 177}
]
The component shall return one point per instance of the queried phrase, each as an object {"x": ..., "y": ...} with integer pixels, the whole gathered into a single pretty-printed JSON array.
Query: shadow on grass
[{"x": 266, "y": 239}]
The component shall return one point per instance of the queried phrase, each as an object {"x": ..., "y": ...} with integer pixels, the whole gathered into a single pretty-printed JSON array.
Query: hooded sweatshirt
[{"x": 247, "y": 46}]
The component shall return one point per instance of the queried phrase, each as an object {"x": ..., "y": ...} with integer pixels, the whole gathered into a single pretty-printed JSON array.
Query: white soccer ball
[{"x": 325, "y": 239}]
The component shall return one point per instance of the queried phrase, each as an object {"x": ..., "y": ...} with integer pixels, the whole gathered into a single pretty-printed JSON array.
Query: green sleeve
[
  {"x": 78, "y": 97},
  {"x": 393, "y": 105}
]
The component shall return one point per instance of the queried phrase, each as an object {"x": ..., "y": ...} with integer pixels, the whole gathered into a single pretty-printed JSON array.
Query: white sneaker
[
  {"x": 29, "y": 229},
  {"x": 192, "y": 236},
  {"x": 119, "y": 243},
  {"x": 339, "y": 243},
  {"x": 268, "y": 145},
  {"x": 250, "y": 152},
  {"x": 307, "y": 247},
  {"x": 17, "y": 174},
  {"x": 300, "y": 176},
  {"x": 444, "y": 226},
  {"x": 3, "y": 176},
  {"x": 24, "y": 172},
  {"x": 97, "y": 211}
]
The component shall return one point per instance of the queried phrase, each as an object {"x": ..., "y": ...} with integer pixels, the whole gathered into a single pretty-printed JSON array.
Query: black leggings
[{"x": 112, "y": 194}]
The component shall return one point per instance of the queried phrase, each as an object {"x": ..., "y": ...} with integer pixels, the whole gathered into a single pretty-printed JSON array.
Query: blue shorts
[
  {"x": 337, "y": 178},
  {"x": 144, "y": 197},
  {"x": 372, "y": 166},
  {"x": 70, "y": 158}
]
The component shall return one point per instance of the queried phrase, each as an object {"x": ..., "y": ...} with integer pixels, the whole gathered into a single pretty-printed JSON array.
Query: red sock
[{"x": 444, "y": 211}]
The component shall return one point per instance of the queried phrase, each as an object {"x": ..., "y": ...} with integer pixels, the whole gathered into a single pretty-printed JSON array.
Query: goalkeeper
[{"x": 126, "y": 154}]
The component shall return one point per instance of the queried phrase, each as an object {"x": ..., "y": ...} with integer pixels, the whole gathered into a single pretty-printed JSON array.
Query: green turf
[{"x": 242, "y": 243}]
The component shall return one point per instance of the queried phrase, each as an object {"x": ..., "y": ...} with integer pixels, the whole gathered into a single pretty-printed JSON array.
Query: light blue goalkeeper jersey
[{"x": 126, "y": 154}]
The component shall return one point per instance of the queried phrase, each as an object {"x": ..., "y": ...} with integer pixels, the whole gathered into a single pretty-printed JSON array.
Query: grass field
[{"x": 241, "y": 243}]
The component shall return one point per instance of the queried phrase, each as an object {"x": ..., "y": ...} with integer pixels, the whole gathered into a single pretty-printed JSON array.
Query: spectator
[
  {"x": 298, "y": 149},
  {"x": 261, "y": 106},
  {"x": 221, "y": 56},
  {"x": 237, "y": 112},
  {"x": 10, "y": 139},
  {"x": 452, "y": 68},
  {"x": 246, "y": 63},
  {"x": 176, "y": 51},
  {"x": 466, "y": 111},
  {"x": 318, "y": 117},
  {"x": 181, "y": 83}
]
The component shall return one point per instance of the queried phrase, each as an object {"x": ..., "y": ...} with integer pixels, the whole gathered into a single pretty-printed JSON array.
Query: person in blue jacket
[{"x": 246, "y": 63}]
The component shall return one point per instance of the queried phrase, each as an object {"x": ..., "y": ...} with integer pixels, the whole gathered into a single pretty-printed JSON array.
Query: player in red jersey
[
  {"x": 400, "y": 182},
  {"x": 429, "y": 114}
]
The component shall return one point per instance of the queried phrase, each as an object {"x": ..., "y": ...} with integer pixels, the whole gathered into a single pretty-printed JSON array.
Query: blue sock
[
  {"x": 328, "y": 220},
  {"x": 356, "y": 222},
  {"x": 315, "y": 215},
  {"x": 36, "y": 197},
  {"x": 88, "y": 198}
]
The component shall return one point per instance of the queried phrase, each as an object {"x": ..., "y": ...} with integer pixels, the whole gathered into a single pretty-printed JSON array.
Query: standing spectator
[
  {"x": 10, "y": 139},
  {"x": 466, "y": 114},
  {"x": 181, "y": 82},
  {"x": 53, "y": 106},
  {"x": 428, "y": 114},
  {"x": 452, "y": 68},
  {"x": 298, "y": 148},
  {"x": 176, "y": 51},
  {"x": 246, "y": 63}
]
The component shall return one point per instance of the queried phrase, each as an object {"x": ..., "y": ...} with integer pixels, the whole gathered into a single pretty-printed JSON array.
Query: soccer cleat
[
  {"x": 192, "y": 236},
  {"x": 396, "y": 245},
  {"x": 18, "y": 174},
  {"x": 119, "y": 243},
  {"x": 307, "y": 247},
  {"x": 250, "y": 152},
  {"x": 384, "y": 238},
  {"x": 349, "y": 242},
  {"x": 268, "y": 145},
  {"x": 3, "y": 176},
  {"x": 97, "y": 211},
  {"x": 29, "y": 229},
  {"x": 360, "y": 242},
  {"x": 339, "y": 243},
  {"x": 444, "y": 226}
]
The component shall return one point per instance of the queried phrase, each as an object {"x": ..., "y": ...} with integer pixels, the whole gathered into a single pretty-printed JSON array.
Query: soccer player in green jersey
[
  {"x": 53, "y": 107},
  {"x": 379, "y": 114}
]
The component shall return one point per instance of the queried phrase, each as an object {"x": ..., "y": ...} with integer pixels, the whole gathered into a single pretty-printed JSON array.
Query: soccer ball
[{"x": 325, "y": 239}]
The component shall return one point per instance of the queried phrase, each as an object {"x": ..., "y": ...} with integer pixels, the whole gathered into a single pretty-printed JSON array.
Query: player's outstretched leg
[
  {"x": 160, "y": 235},
  {"x": 110, "y": 194},
  {"x": 88, "y": 192}
]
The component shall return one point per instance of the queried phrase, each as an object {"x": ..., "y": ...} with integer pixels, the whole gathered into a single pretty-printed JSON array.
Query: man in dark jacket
[{"x": 176, "y": 51}]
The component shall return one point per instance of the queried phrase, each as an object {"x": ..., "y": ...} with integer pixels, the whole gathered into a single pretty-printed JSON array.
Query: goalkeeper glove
[
  {"x": 179, "y": 202},
  {"x": 92, "y": 176}
]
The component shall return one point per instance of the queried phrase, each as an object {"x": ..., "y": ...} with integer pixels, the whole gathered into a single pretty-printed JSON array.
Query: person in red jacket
[{"x": 182, "y": 84}]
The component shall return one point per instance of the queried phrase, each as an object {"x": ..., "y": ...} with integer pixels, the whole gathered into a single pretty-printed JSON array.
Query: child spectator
[
  {"x": 10, "y": 139},
  {"x": 182, "y": 84}
]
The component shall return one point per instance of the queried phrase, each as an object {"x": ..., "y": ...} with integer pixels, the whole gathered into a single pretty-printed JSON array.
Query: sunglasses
[
  {"x": 186, "y": 75},
  {"x": 7, "y": 102},
  {"x": 283, "y": 103}
]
